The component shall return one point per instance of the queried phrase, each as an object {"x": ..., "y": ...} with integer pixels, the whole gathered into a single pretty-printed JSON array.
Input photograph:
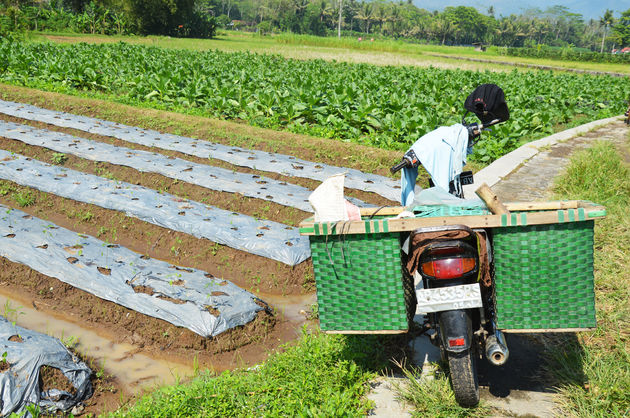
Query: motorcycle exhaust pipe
[{"x": 497, "y": 352}]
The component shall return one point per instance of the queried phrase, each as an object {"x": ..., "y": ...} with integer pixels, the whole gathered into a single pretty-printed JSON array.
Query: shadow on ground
[{"x": 532, "y": 356}]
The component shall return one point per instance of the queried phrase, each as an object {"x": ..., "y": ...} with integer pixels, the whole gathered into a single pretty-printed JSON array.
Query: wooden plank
[
  {"x": 386, "y": 331},
  {"x": 491, "y": 200},
  {"x": 533, "y": 330},
  {"x": 510, "y": 206},
  {"x": 472, "y": 221},
  {"x": 553, "y": 205},
  {"x": 385, "y": 211}
]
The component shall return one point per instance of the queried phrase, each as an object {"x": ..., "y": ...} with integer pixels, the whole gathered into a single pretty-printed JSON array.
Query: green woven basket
[
  {"x": 360, "y": 286},
  {"x": 544, "y": 276}
]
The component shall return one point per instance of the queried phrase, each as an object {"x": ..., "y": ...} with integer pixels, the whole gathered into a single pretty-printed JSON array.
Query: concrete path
[
  {"x": 526, "y": 174},
  {"x": 533, "y": 178}
]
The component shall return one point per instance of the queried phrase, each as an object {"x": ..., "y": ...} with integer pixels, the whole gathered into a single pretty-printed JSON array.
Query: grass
[
  {"x": 24, "y": 198},
  {"x": 432, "y": 396},
  {"x": 321, "y": 375},
  {"x": 593, "y": 373}
]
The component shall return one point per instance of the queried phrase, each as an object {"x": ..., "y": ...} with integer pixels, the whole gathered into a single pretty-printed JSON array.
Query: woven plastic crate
[
  {"x": 360, "y": 286},
  {"x": 544, "y": 276}
]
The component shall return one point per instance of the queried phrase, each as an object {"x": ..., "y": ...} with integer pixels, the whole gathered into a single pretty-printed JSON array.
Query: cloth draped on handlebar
[{"x": 442, "y": 152}]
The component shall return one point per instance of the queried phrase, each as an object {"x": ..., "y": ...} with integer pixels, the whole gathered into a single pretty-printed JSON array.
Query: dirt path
[{"x": 518, "y": 388}]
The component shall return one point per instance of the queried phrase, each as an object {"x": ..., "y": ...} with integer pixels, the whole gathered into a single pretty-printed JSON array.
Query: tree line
[
  {"x": 180, "y": 18},
  {"x": 555, "y": 26}
]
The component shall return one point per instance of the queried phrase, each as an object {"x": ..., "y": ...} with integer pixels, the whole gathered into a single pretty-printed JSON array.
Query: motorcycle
[{"x": 453, "y": 263}]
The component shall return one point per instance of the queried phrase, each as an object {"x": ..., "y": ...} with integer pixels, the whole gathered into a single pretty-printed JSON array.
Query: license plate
[{"x": 448, "y": 298}]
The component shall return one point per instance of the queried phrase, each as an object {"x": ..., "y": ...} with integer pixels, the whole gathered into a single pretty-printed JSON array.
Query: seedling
[
  {"x": 5, "y": 188},
  {"x": 24, "y": 198},
  {"x": 10, "y": 313},
  {"x": 70, "y": 342},
  {"x": 59, "y": 158}
]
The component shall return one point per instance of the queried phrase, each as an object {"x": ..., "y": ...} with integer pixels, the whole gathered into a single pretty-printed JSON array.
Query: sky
[{"x": 588, "y": 8}]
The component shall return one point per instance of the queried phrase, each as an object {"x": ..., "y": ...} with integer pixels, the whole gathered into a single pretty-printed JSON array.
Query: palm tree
[
  {"x": 380, "y": 15},
  {"x": 394, "y": 18},
  {"x": 365, "y": 14},
  {"x": 606, "y": 21},
  {"x": 505, "y": 32},
  {"x": 325, "y": 11},
  {"x": 444, "y": 27}
]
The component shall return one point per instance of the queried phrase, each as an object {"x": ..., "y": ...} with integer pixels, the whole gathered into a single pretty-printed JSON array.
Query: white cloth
[
  {"x": 442, "y": 152},
  {"x": 327, "y": 200}
]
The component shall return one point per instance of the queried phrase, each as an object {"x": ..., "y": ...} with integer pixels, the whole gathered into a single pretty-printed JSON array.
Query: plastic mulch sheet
[
  {"x": 26, "y": 351},
  {"x": 261, "y": 237},
  {"x": 260, "y": 160},
  {"x": 214, "y": 178},
  {"x": 184, "y": 297}
]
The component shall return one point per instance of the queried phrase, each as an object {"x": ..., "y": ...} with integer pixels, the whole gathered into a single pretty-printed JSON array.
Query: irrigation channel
[{"x": 227, "y": 291}]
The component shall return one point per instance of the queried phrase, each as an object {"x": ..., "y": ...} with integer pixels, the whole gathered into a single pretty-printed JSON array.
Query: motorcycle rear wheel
[{"x": 463, "y": 367}]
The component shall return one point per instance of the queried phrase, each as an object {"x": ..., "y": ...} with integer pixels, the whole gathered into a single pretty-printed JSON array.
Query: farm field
[
  {"x": 378, "y": 52},
  {"x": 288, "y": 289},
  {"x": 385, "y": 107},
  {"x": 340, "y": 114}
]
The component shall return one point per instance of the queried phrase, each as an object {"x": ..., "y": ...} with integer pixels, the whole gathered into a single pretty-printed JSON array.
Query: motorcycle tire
[{"x": 463, "y": 367}]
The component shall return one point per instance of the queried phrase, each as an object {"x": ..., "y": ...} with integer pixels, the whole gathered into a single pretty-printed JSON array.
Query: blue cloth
[
  {"x": 442, "y": 152},
  {"x": 407, "y": 184}
]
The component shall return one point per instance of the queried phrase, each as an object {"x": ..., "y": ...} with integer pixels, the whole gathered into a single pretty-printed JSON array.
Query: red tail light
[
  {"x": 456, "y": 342},
  {"x": 448, "y": 268}
]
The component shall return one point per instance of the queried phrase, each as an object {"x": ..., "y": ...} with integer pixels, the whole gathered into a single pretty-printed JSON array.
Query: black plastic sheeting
[
  {"x": 260, "y": 160},
  {"x": 184, "y": 297},
  {"x": 261, "y": 237},
  {"x": 20, "y": 383},
  {"x": 214, "y": 178}
]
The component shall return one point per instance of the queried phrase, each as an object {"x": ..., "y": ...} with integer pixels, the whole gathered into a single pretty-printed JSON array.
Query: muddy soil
[{"x": 249, "y": 271}]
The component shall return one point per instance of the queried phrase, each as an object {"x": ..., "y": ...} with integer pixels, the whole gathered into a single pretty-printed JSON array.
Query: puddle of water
[
  {"x": 133, "y": 370},
  {"x": 289, "y": 306}
]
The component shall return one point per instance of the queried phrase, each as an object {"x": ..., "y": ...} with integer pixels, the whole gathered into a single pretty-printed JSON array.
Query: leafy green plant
[
  {"x": 5, "y": 188},
  {"x": 70, "y": 342},
  {"x": 59, "y": 158},
  {"x": 85, "y": 216},
  {"x": 314, "y": 312}
]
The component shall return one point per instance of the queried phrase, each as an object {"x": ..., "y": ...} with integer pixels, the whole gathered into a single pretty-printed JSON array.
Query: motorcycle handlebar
[
  {"x": 400, "y": 166},
  {"x": 410, "y": 159}
]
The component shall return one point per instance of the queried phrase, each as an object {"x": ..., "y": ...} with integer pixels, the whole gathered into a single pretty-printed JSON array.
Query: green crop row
[
  {"x": 568, "y": 54},
  {"x": 387, "y": 107}
]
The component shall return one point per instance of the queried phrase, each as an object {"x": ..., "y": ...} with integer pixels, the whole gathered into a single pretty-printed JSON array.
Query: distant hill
[{"x": 588, "y": 8}]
